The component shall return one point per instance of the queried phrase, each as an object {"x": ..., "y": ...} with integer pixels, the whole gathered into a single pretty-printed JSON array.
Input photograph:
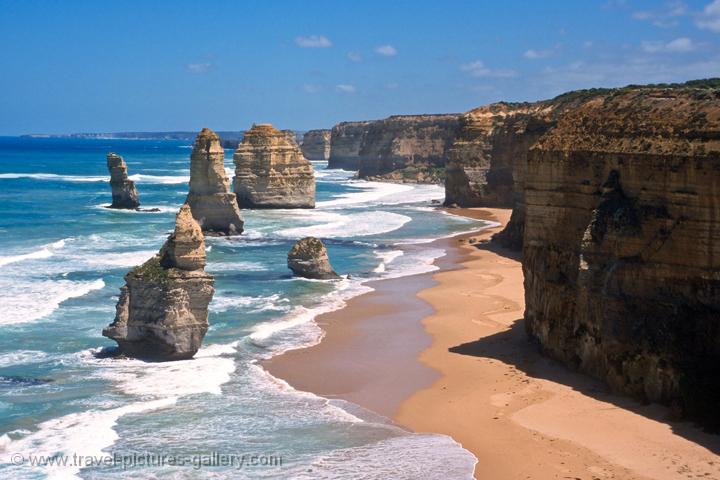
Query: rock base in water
[
  {"x": 309, "y": 258},
  {"x": 162, "y": 313},
  {"x": 124, "y": 193}
]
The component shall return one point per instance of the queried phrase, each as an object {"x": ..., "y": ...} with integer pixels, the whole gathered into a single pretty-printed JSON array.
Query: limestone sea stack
[
  {"x": 316, "y": 144},
  {"x": 346, "y": 139},
  {"x": 210, "y": 199},
  {"x": 162, "y": 313},
  {"x": 124, "y": 193},
  {"x": 271, "y": 172},
  {"x": 309, "y": 258}
]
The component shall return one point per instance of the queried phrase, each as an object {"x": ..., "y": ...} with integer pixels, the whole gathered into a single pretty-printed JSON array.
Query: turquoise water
[{"x": 62, "y": 260}]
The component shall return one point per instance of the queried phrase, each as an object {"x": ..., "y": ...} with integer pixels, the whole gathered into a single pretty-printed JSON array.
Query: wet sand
[{"x": 446, "y": 352}]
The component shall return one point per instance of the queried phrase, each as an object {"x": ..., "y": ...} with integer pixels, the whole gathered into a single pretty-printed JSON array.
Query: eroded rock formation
[
  {"x": 309, "y": 258},
  {"x": 621, "y": 251},
  {"x": 316, "y": 144},
  {"x": 162, "y": 313},
  {"x": 408, "y": 147},
  {"x": 124, "y": 193},
  {"x": 346, "y": 139},
  {"x": 271, "y": 172},
  {"x": 213, "y": 205}
]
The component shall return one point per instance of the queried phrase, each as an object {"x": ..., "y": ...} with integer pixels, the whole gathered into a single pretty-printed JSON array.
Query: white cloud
[
  {"x": 679, "y": 45},
  {"x": 664, "y": 17},
  {"x": 199, "y": 67},
  {"x": 709, "y": 19},
  {"x": 478, "y": 69},
  {"x": 345, "y": 88},
  {"x": 386, "y": 50},
  {"x": 533, "y": 54},
  {"x": 313, "y": 41},
  {"x": 354, "y": 57},
  {"x": 310, "y": 88}
]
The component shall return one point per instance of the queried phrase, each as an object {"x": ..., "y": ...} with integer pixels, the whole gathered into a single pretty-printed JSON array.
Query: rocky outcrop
[
  {"x": 124, "y": 193},
  {"x": 309, "y": 258},
  {"x": 271, "y": 172},
  {"x": 412, "y": 144},
  {"x": 162, "y": 313},
  {"x": 210, "y": 199},
  {"x": 346, "y": 139},
  {"x": 316, "y": 144},
  {"x": 621, "y": 251}
]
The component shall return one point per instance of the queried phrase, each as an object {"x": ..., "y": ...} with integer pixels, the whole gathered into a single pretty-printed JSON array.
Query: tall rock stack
[
  {"x": 621, "y": 254},
  {"x": 124, "y": 193},
  {"x": 162, "y": 313},
  {"x": 210, "y": 199},
  {"x": 271, "y": 172},
  {"x": 316, "y": 144}
]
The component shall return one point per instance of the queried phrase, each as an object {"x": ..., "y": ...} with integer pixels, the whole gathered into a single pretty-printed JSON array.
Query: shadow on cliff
[{"x": 513, "y": 347}]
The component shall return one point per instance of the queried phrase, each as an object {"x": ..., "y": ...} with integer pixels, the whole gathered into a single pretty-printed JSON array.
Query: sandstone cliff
[
  {"x": 413, "y": 145},
  {"x": 346, "y": 139},
  {"x": 316, "y": 144},
  {"x": 212, "y": 203},
  {"x": 271, "y": 172},
  {"x": 162, "y": 313},
  {"x": 309, "y": 258},
  {"x": 621, "y": 251},
  {"x": 124, "y": 193}
]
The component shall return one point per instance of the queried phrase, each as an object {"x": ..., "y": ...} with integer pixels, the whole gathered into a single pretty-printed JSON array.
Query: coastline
[{"x": 467, "y": 370}]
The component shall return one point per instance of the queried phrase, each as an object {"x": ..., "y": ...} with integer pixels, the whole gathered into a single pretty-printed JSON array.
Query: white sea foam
[
  {"x": 371, "y": 191},
  {"x": 162, "y": 179},
  {"x": 22, "y": 357},
  {"x": 385, "y": 258},
  {"x": 36, "y": 300},
  {"x": 84, "y": 433},
  {"x": 205, "y": 373},
  {"x": 55, "y": 177},
  {"x": 137, "y": 177},
  {"x": 124, "y": 259},
  {"x": 349, "y": 225},
  {"x": 224, "y": 301},
  {"x": 414, "y": 262},
  {"x": 46, "y": 251}
]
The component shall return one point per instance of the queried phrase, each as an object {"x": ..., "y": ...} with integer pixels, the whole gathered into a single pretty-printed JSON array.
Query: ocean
[{"x": 63, "y": 256}]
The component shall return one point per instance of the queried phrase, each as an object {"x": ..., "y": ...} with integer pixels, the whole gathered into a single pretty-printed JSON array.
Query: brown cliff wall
[
  {"x": 406, "y": 142},
  {"x": 346, "y": 139},
  {"x": 621, "y": 251},
  {"x": 316, "y": 144}
]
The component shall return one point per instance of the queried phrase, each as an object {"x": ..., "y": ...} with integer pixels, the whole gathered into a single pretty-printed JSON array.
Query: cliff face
[
  {"x": 492, "y": 143},
  {"x": 271, "y": 172},
  {"x": 346, "y": 139},
  {"x": 621, "y": 251},
  {"x": 411, "y": 144},
  {"x": 210, "y": 199},
  {"x": 162, "y": 313},
  {"x": 316, "y": 144},
  {"x": 124, "y": 193}
]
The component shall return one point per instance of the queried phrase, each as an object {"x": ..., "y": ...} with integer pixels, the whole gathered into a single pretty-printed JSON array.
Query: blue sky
[{"x": 79, "y": 66}]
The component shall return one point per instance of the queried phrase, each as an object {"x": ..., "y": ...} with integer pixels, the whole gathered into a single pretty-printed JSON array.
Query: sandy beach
[{"x": 446, "y": 352}]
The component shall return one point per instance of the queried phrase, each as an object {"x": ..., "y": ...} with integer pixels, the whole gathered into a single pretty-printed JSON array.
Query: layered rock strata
[
  {"x": 124, "y": 193},
  {"x": 271, "y": 172},
  {"x": 621, "y": 253},
  {"x": 213, "y": 205},
  {"x": 414, "y": 146},
  {"x": 316, "y": 144},
  {"x": 309, "y": 258},
  {"x": 162, "y": 313},
  {"x": 346, "y": 139}
]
